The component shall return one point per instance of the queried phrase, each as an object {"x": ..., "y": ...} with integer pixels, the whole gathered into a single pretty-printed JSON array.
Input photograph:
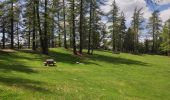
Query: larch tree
[
  {"x": 12, "y": 24},
  {"x": 73, "y": 26},
  {"x": 113, "y": 18},
  {"x": 81, "y": 26},
  {"x": 136, "y": 27},
  {"x": 45, "y": 35},
  {"x": 90, "y": 26},
  {"x": 165, "y": 44},
  {"x": 64, "y": 29},
  {"x": 154, "y": 26},
  {"x": 122, "y": 32},
  {"x": 3, "y": 19}
]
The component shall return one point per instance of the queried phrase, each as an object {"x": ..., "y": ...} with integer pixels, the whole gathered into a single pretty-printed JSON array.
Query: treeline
[{"x": 78, "y": 24}]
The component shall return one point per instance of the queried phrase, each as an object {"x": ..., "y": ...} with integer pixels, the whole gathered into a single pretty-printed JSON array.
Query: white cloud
[
  {"x": 128, "y": 6},
  {"x": 162, "y": 2},
  {"x": 165, "y": 15}
]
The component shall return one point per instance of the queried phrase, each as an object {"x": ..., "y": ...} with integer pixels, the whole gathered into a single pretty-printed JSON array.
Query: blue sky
[{"x": 161, "y": 7}]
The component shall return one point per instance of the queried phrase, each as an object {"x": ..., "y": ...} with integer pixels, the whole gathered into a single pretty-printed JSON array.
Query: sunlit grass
[{"x": 100, "y": 76}]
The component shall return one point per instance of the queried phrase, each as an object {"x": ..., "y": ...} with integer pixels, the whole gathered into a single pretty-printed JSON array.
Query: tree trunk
[
  {"x": 70, "y": 35},
  {"x": 65, "y": 36},
  {"x": 39, "y": 24},
  {"x": 52, "y": 40},
  {"x": 73, "y": 29},
  {"x": 59, "y": 34},
  {"x": 12, "y": 25},
  {"x": 52, "y": 37},
  {"x": 93, "y": 31},
  {"x": 3, "y": 36},
  {"x": 29, "y": 37},
  {"x": 89, "y": 36},
  {"x": 113, "y": 41},
  {"x": 33, "y": 35},
  {"x": 18, "y": 39},
  {"x": 81, "y": 27},
  {"x": 153, "y": 36},
  {"x": 45, "y": 38},
  {"x": 169, "y": 39},
  {"x": 59, "y": 40}
]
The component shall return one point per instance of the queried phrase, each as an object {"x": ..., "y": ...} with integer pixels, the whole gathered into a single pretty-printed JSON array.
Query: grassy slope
[{"x": 101, "y": 76}]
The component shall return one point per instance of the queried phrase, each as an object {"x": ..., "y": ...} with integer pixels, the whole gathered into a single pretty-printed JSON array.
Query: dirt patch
[{"x": 7, "y": 50}]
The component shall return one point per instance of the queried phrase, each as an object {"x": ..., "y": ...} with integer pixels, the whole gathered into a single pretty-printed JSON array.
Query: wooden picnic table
[{"x": 49, "y": 62}]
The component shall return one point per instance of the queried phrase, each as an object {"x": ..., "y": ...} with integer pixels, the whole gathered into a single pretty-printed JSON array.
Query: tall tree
[
  {"x": 81, "y": 27},
  {"x": 54, "y": 10},
  {"x": 137, "y": 26},
  {"x": 73, "y": 26},
  {"x": 154, "y": 26},
  {"x": 128, "y": 40},
  {"x": 12, "y": 24},
  {"x": 39, "y": 26},
  {"x": 34, "y": 26},
  {"x": 3, "y": 24},
  {"x": 113, "y": 17},
  {"x": 122, "y": 33},
  {"x": 59, "y": 33},
  {"x": 96, "y": 25},
  {"x": 165, "y": 45},
  {"x": 90, "y": 26},
  {"x": 65, "y": 35},
  {"x": 45, "y": 35}
]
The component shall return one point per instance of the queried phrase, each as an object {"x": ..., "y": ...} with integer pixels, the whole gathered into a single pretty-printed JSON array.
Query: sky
[{"x": 128, "y": 6}]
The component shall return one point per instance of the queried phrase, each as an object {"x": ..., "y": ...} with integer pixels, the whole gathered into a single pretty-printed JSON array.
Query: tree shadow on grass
[
  {"x": 71, "y": 59},
  {"x": 68, "y": 57},
  {"x": 16, "y": 55},
  {"x": 8, "y": 63},
  {"x": 30, "y": 51},
  {"x": 116, "y": 60},
  {"x": 17, "y": 67},
  {"x": 57, "y": 56},
  {"x": 23, "y": 84}
]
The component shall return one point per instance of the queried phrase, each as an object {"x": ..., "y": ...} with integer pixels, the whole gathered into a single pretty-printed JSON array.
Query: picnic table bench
[{"x": 49, "y": 62}]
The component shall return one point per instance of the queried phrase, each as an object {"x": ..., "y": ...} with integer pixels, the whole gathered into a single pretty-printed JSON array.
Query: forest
[{"x": 80, "y": 25}]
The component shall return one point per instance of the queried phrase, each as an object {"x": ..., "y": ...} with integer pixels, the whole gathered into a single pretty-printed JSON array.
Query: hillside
[{"x": 102, "y": 76}]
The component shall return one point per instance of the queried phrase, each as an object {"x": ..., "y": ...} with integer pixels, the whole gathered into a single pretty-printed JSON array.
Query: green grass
[{"x": 102, "y": 76}]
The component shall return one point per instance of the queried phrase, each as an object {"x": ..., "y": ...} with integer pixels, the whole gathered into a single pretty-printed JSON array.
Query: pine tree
[
  {"x": 165, "y": 45},
  {"x": 45, "y": 38},
  {"x": 73, "y": 26},
  {"x": 114, "y": 27},
  {"x": 128, "y": 41},
  {"x": 3, "y": 20},
  {"x": 122, "y": 33},
  {"x": 81, "y": 27},
  {"x": 90, "y": 26},
  {"x": 64, "y": 30},
  {"x": 34, "y": 27},
  {"x": 136, "y": 26},
  {"x": 12, "y": 24},
  {"x": 154, "y": 26}
]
